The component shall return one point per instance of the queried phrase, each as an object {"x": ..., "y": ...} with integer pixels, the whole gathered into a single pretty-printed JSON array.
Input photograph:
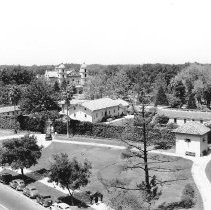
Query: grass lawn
[{"x": 107, "y": 165}]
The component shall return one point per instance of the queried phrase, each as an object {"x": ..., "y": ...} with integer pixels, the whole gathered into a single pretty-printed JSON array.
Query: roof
[
  {"x": 101, "y": 103},
  {"x": 185, "y": 114},
  {"x": 122, "y": 102},
  {"x": 193, "y": 128},
  {"x": 73, "y": 73},
  {"x": 8, "y": 109},
  {"x": 73, "y": 101}
]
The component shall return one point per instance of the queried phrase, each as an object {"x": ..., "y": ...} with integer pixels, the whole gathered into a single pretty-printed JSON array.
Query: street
[{"x": 13, "y": 200}]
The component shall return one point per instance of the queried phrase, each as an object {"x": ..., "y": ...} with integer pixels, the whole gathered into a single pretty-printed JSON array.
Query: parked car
[
  {"x": 60, "y": 206},
  {"x": 44, "y": 200},
  {"x": 30, "y": 191},
  {"x": 5, "y": 178},
  {"x": 17, "y": 184}
]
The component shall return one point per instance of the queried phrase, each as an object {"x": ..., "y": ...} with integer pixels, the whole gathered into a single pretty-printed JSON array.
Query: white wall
[
  {"x": 182, "y": 121},
  {"x": 196, "y": 145}
]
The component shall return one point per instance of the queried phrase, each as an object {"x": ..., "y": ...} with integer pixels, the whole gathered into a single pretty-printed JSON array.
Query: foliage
[
  {"x": 161, "y": 119},
  {"x": 38, "y": 97},
  {"x": 70, "y": 174},
  {"x": 15, "y": 95},
  {"x": 174, "y": 101},
  {"x": 161, "y": 98},
  {"x": 16, "y": 75},
  {"x": 188, "y": 195},
  {"x": 20, "y": 153},
  {"x": 56, "y": 87},
  {"x": 9, "y": 122},
  {"x": 191, "y": 104}
]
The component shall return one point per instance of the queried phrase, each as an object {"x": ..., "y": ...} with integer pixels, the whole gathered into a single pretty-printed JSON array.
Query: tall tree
[
  {"x": 20, "y": 153},
  {"x": 56, "y": 87},
  {"x": 70, "y": 174},
  {"x": 38, "y": 97},
  {"x": 161, "y": 98}
]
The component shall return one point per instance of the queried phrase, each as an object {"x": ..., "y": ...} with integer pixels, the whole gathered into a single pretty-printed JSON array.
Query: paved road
[{"x": 12, "y": 200}]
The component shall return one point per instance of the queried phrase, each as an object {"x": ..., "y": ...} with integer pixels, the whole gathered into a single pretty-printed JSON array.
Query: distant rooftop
[
  {"x": 193, "y": 128},
  {"x": 52, "y": 74},
  {"x": 185, "y": 114}
]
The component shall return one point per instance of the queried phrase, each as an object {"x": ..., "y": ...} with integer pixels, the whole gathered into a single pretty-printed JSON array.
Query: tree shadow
[{"x": 77, "y": 201}]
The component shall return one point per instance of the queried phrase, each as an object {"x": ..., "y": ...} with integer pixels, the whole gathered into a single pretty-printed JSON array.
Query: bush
[
  {"x": 172, "y": 126},
  {"x": 162, "y": 145},
  {"x": 9, "y": 122},
  {"x": 188, "y": 195},
  {"x": 161, "y": 119}
]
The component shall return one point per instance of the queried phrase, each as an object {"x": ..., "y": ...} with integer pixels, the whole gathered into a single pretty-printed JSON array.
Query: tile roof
[
  {"x": 101, "y": 103},
  {"x": 185, "y": 114},
  {"x": 8, "y": 109},
  {"x": 52, "y": 74},
  {"x": 193, "y": 128}
]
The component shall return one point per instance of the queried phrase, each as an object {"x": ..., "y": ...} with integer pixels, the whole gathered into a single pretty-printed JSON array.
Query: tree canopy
[
  {"x": 70, "y": 174},
  {"x": 38, "y": 97},
  {"x": 20, "y": 153}
]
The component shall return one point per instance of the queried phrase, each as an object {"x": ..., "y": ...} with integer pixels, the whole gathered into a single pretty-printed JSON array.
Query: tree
[
  {"x": 191, "y": 103},
  {"x": 161, "y": 98},
  {"x": 70, "y": 174},
  {"x": 38, "y": 97},
  {"x": 56, "y": 87},
  {"x": 20, "y": 153},
  {"x": 64, "y": 85}
]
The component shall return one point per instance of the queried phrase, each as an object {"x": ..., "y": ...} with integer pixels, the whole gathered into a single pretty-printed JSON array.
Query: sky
[{"x": 104, "y": 31}]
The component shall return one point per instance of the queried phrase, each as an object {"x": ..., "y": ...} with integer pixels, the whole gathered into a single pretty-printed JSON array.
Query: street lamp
[{"x": 68, "y": 95}]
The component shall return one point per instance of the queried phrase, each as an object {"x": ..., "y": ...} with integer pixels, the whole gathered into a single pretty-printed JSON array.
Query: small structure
[
  {"x": 192, "y": 139},
  {"x": 10, "y": 110},
  {"x": 180, "y": 117}
]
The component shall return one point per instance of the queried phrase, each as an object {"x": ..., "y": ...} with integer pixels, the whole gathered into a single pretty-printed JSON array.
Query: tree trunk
[
  {"x": 146, "y": 169},
  {"x": 22, "y": 172},
  {"x": 71, "y": 196}
]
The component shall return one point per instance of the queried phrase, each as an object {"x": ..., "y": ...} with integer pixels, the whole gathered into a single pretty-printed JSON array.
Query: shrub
[
  {"x": 162, "y": 145},
  {"x": 188, "y": 194},
  {"x": 172, "y": 126},
  {"x": 9, "y": 122},
  {"x": 161, "y": 119}
]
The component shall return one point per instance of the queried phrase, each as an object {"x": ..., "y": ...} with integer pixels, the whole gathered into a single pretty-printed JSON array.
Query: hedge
[{"x": 9, "y": 122}]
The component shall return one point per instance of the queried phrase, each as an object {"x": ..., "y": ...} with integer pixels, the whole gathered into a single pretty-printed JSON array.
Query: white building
[
  {"x": 180, "y": 117},
  {"x": 94, "y": 110},
  {"x": 192, "y": 139}
]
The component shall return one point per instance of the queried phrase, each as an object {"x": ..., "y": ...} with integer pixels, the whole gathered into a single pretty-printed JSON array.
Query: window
[
  {"x": 85, "y": 115},
  {"x": 185, "y": 120},
  {"x": 114, "y": 110},
  {"x": 203, "y": 139},
  {"x": 109, "y": 112},
  {"x": 74, "y": 108},
  {"x": 96, "y": 114},
  {"x": 201, "y": 121},
  {"x": 175, "y": 120},
  {"x": 193, "y": 120},
  {"x": 84, "y": 108},
  {"x": 84, "y": 75},
  {"x": 74, "y": 114},
  {"x": 102, "y": 113}
]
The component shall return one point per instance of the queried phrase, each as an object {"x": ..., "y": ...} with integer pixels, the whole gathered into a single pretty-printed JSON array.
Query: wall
[
  {"x": 194, "y": 146},
  {"x": 182, "y": 121}
]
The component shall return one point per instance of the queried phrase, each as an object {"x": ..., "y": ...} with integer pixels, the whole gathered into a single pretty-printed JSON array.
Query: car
[
  {"x": 5, "y": 178},
  {"x": 17, "y": 184},
  {"x": 30, "y": 191},
  {"x": 44, "y": 200},
  {"x": 60, "y": 206}
]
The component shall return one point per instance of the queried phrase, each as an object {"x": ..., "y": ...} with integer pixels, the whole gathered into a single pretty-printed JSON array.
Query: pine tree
[
  {"x": 56, "y": 87},
  {"x": 161, "y": 98},
  {"x": 191, "y": 103}
]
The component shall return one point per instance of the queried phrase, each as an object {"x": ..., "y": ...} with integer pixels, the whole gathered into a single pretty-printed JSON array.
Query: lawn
[{"x": 107, "y": 164}]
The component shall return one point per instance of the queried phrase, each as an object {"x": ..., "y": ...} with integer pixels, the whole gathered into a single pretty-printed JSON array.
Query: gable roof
[
  {"x": 101, "y": 103},
  {"x": 193, "y": 128},
  {"x": 185, "y": 114}
]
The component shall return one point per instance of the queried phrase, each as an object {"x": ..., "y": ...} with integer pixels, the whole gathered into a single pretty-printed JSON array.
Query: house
[
  {"x": 93, "y": 110},
  {"x": 192, "y": 139},
  {"x": 71, "y": 76},
  {"x": 180, "y": 116},
  {"x": 10, "y": 110}
]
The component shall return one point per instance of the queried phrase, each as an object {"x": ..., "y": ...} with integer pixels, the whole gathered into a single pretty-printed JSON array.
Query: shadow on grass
[
  {"x": 76, "y": 201},
  {"x": 176, "y": 205}
]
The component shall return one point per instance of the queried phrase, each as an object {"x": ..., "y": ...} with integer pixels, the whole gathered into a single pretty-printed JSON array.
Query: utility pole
[{"x": 68, "y": 96}]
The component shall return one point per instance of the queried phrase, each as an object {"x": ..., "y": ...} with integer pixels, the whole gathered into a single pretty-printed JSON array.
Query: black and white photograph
[{"x": 105, "y": 104}]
